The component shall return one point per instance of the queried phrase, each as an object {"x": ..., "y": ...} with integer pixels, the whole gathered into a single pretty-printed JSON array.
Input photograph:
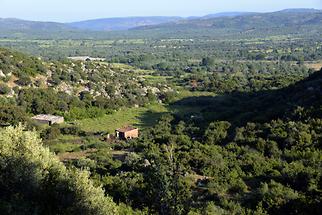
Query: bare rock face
[
  {"x": 2, "y": 75},
  {"x": 11, "y": 94},
  {"x": 64, "y": 87},
  {"x": 146, "y": 163},
  {"x": 154, "y": 90}
]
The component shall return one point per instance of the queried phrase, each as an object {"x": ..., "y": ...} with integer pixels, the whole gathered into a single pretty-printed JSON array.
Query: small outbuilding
[
  {"x": 127, "y": 133},
  {"x": 48, "y": 119}
]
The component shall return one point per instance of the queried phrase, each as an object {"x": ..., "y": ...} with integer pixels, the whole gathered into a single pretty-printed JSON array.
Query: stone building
[
  {"x": 48, "y": 119},
  {"x": 127, "y": 133}
]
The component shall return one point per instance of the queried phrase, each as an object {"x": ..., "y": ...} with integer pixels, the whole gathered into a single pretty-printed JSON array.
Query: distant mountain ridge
[
  {"x": 127, "y": 23},
  {"x": 122, "y": 23},
  {"x": 19, "y": 24},
  {"x": 227, "y": 14},
  {"x": 288, "y": 20},
  {"x": 282, "y": 20},
  {"x": 300, "y": 10}
]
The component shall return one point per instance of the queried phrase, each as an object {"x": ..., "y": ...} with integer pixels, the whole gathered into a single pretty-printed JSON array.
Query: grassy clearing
[
  {"x": 64, "y": 143},
  {"x": 75, "y": 155},
  {"x": 142, "y": 117},
  {"x": 183, "y": 110},
  {"x": 69, "y": 139},
  {"x": 119, "y": 65},
  {"x": 63, "y": 147},
  {"x": 184, "y": 93}
]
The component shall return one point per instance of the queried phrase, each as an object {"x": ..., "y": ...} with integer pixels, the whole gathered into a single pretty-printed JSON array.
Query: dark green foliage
[
  {"x": 4, "y": 89},
  {"x": 217, "y": 132},
  {"x": 70, "y": 130},
  {"x": 84, "y": 113},
  {"x": 105, "y": 162},
  {"x": 226, "y": 77},
  {"x": 208, "y": 62},
  {"x": 43, "y": 101},
  {"x": 50, "y": 133},
  {"x": 24, "y": 80},
  {"x": 11, "y": 115}
]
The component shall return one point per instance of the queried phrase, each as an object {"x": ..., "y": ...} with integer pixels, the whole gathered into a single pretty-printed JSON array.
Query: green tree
[
  {"x": 34, "y": 181},
  {"x": 216, "y": 132},
  {"x": 208, "y": 62},
  {"x": 11, "y": 115},
  {"x": 167, "y": 188},
  {"x": 4, "y": 89}
]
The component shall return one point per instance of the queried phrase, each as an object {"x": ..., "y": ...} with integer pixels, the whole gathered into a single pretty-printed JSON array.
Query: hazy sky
[{"x": 72, "y": 10}]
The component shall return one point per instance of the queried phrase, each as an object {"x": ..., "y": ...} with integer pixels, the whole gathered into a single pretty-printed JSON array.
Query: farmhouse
[
  {"x": 127, "y": 133},
  {"x": 48, "y": 119}
]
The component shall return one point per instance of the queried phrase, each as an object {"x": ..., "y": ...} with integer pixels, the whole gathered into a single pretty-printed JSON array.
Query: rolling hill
[
  {"x": 12, "y": 24},
  {"x": 122, "y": 23},
  {"x": 227, "y": 14},
  {"x": 289, "y": 18},
  {"x": 22, "y": 29},
  {"x": 305, "y": 22},
  {"x": 126, "y": 23}
]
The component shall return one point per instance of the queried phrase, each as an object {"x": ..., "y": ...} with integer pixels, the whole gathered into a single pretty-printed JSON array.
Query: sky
[{"x": 76, "y": 10}]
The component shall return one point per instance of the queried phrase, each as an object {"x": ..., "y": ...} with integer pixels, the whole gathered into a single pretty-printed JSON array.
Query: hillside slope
[
  {"x": 23, "y": 25},
  {"x": 21, "y": 75},
  {"x": 299, "y": 100}
]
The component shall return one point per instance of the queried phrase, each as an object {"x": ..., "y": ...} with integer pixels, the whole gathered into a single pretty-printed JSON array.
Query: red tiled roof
[{"x": 126, "y": 129}]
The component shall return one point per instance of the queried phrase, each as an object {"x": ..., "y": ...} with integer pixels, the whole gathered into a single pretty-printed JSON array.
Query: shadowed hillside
[{"x": 262, "y": 106}]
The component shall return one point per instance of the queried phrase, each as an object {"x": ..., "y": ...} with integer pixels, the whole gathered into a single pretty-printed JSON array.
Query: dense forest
[{"x": 228, "y": 125}]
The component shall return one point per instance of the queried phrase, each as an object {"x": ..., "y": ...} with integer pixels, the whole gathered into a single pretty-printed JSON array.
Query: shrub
[
  {"x": 24, "y": 80},
  {"x": 4, "y": 89},
  {"x": 70, "y": 130},
  {"x": 11, "y": 115},
  {"x": 51, "y": 133}
]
